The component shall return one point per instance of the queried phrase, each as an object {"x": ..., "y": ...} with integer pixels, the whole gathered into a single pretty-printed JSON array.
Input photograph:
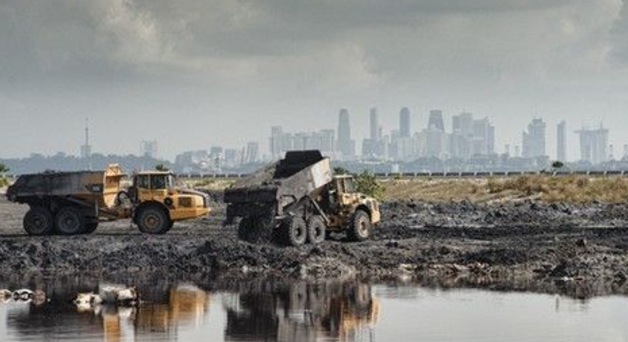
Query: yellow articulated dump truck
[
  {"x": 70, "y": 203},
  {"x": 298, "y": 200}
]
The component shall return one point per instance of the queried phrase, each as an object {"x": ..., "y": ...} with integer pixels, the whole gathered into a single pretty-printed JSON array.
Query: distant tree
[
  {"x": 161, "y": 167},
  {"x": 3, "y": 169},
  {"x": 558, "y": 164},
  {"x": 341, "y": 171},
  {"x": 367, "y": 183}
]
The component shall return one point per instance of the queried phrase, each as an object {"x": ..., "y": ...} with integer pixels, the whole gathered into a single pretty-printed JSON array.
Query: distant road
[
  {"x": 436, "y": 174},
  {"x": 596, "y": 173}
]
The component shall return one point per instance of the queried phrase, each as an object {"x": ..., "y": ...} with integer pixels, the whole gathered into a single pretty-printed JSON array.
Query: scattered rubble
[{"x": 579, "y": 250}]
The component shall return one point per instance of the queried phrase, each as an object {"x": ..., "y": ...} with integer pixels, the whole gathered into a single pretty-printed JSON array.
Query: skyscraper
[
  {"x": 346, "y": 145},
  {"x": 561, "y": 141},
  {"x": 251, "y": 155},
  {"x": 593, "y": 145},
  {"x": 462, "y": 124},
  {"x": 404, "y": 123},
  {"x": 148, "y": 148},
  {"x": 374, "y": 124},
  {"x": 276, "y": 142},
  {"x": 534, "y": 139},
  {"x": 436, "y": 121},
  {"x": 483, "y": 141}
]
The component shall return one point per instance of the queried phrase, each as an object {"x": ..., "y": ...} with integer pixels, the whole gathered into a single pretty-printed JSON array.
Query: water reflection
[
  {"x": 275, "y": 310},
  {"x": 256, "y": 310},
  {"x": 301, "y": 312}
]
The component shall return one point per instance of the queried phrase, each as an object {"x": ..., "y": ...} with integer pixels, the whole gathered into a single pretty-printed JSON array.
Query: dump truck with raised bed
[
  {"x": 298, "y": 200},
  {"x": 70, "y": 203}
]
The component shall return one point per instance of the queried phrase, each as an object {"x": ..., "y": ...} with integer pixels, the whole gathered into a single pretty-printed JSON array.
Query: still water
[{"x": 334, "y": 311}]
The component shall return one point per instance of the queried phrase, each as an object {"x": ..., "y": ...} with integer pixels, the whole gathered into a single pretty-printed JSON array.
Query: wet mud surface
[{"x": 576, "y": 250}]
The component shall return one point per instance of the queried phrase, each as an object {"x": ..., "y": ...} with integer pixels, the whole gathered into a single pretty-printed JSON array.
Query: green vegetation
[
  {"x": 368, "y": 184},
  {"x": 161, "y": 167},
  {"x": 558, "y": 165},
  {"x": 3, "y": 180},
  {"x": 341, "y": 171}
]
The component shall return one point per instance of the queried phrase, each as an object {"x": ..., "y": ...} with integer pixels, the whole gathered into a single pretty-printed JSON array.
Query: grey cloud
[{"x": 619, "y": 51}]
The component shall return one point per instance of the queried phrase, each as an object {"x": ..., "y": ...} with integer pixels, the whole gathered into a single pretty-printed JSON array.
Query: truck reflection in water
[
  {"x": 185, "y": 304},
  {"x": 270, "y": 311},
  {"x": 260, "y": 310}
]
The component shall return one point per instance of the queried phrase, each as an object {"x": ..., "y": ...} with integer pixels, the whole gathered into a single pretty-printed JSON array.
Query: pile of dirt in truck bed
[{"x": 573, "y": 249}]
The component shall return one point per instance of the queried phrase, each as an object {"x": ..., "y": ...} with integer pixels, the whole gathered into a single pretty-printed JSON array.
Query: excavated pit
[{"x": 577, "y": 250}]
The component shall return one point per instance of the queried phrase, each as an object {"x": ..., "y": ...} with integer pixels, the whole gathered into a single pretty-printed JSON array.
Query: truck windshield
[
  {"x": 159, "y": 182},
  {"x": 349, "y": 185}
]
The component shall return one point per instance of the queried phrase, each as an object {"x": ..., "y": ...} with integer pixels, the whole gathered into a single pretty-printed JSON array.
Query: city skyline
[{"x": 434, "y": 119}]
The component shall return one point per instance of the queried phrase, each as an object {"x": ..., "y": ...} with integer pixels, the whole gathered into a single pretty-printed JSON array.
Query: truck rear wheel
[
  {"x": 360, "y": 226},
  {"x": 69, "y": 221},
  {"x": 316, "y": 230},
  {"x": 38, "y": 221},
  {"x": 153, "y": 220},
  {"x": 294, "y": 231},
  {"x": 90, "y": 227}
]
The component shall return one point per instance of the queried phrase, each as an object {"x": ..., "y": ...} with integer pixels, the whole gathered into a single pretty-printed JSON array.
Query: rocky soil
[{"x": 578, "y": 250}]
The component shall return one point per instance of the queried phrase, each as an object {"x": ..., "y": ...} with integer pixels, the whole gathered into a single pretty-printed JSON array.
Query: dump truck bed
[
  {"x": 97, "y": 187},
  {"x": 299, "y": 174}
]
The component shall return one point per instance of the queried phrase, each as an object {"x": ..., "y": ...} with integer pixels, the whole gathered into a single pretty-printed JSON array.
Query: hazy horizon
[{"x": 192, "y": 74}]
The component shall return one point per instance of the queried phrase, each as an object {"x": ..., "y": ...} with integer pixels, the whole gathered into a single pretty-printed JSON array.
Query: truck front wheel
[
  {"x": 316, "y": 230},
  {"x": 69, "y": 221},
  {"x": 294, "y": 231},
  {"x": 360, "y": 226},
  {"x": 38, "y": 221},
  {"x": 153, "y": 220}
]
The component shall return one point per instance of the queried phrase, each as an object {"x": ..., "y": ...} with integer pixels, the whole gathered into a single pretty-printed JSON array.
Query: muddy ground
[{"x": 577, "y": 250}]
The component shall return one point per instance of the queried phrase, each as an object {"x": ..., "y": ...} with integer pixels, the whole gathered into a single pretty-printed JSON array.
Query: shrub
[
  {"x": 367, "y": 184},
  {"x": 161, "y": 167}
]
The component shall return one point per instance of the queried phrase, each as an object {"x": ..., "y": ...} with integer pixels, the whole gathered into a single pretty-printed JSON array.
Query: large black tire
[
  {"x": 69, "y": 221},
  {"x": 38, "y": 221},
  {"x": 153, "y": 220},
  {"x": 293, "y": 231},
  {"x": 90, "y": 227},
  {"x": 316, "y": 230},
  {"x": 360, "y": 226}
]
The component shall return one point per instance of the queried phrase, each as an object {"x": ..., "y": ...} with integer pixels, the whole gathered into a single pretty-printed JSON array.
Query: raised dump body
[
  {"x": 298, "y": 199},
  {"x": 99, "y": 188},
  {"x": 279, "y": 185}
]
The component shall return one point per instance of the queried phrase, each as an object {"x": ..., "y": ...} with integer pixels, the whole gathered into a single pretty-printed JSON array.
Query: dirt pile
[{"x": 574, "y": 249}]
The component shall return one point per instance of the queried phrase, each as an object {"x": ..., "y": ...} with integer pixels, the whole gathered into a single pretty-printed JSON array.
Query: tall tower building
[
  {"x": 436, "y": 121},
  {"x": 345, "y": 144},
  {"x": 86, "y": 149},
  {"x": 534, "y": 139},
  {"x": 148, "y": 148},
  {"x": 593, "y": 145},
  {"x": 404, "y": 123},
  {"x": 374, "y": 124},
  {"x": 561, "y": 141}
]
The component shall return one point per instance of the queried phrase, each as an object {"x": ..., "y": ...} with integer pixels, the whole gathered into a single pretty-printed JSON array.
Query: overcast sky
[{"x": 196, "y": 73}]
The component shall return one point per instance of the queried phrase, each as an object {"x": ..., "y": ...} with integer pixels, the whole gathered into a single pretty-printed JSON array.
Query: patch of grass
[
  {"x": 3, "y": 182},
  {"x": 569, "y": 189},
  {"x": 210, "y": 183}
]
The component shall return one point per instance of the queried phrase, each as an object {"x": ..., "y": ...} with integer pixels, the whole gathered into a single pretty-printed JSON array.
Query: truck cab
[
  {"x": 348, "y": 200},
  {"x": 160, "y": 202}
]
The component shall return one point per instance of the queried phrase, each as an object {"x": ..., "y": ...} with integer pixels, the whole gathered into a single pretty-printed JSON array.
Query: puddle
[{"x": 266, "y": 310}]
